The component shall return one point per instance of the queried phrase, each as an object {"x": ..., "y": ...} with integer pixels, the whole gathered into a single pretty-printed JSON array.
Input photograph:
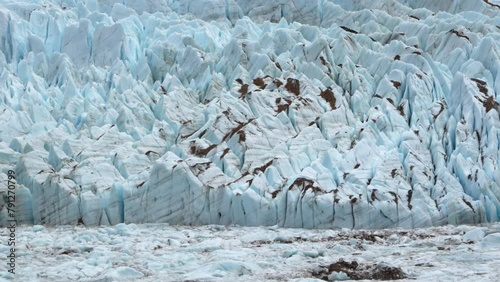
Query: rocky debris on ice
[
  {"x": 314, "y": 114},
  {"x": 344, "y": 270}
]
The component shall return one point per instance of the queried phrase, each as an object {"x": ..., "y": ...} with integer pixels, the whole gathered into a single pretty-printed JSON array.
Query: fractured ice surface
[{"x": 356, "y": 114}]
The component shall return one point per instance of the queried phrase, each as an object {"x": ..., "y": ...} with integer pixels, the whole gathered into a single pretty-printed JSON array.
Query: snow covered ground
[
  {"x": 158, "y": 252},
  {"x": 328, "y": 113}
]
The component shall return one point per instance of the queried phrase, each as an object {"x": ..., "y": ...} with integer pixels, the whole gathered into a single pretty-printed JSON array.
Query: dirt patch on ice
[
  {"x": 396, "y": 84},
  {"x": 197, "y": 151},
  {"x": 328, "y": 95},
  {"x": 260, "y": 83},
  {"x": 293, "y": 86},
  {"x": 244, "y": 89},
  {"x": 360, "y": 271}
]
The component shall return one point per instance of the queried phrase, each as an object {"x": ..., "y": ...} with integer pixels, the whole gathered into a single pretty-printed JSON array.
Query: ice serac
[{"x": 314, "y": 114}]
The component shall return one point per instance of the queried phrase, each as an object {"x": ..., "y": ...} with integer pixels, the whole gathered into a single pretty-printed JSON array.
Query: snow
[
  {"x": 159, "y": 252},
  {"x": 306, "y": 114},
  {"x": 475, "y": 235}
]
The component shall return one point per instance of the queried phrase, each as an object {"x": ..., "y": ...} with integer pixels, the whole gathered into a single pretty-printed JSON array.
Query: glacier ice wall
[{"x": 328, "y": 113}]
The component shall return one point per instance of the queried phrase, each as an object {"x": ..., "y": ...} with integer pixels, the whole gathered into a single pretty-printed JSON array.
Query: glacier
[{"x": 311, "y": 114}]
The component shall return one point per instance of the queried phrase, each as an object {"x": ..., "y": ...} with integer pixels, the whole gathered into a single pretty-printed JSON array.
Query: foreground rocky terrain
[{"x": 158, "y": 252}]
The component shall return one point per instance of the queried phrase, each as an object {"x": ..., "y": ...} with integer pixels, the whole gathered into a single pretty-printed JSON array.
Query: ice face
[{"x": 330, "y": 114}]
